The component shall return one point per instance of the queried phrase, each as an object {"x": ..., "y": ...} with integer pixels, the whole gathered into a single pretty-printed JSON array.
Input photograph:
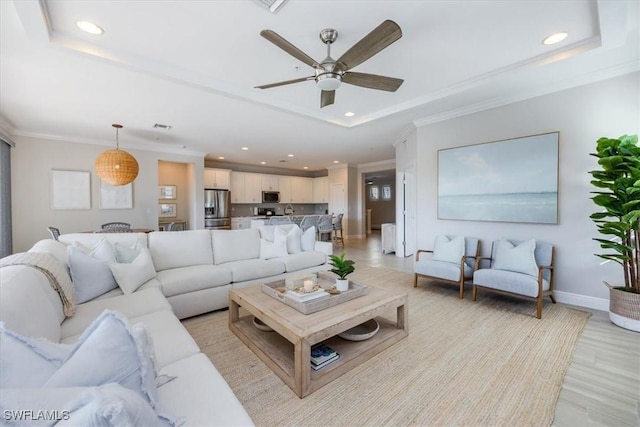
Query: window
[
  {"x": 373, "y": 192},
  {"x": 386, "y": 192}
]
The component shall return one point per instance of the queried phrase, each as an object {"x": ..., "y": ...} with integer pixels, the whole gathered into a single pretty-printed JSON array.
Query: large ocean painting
[{"x": 515, "y": 180}]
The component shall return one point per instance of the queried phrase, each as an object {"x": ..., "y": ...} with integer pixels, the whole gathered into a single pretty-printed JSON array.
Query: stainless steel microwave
[{"x": 270, "y": 197}]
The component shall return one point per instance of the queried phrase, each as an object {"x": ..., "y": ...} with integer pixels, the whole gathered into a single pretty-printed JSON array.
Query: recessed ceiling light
[
  {"x": 336, "y": 161},
  {"x": 221, "y": 158},
  {"x": 349, "y": 114},
  {"x": 89, "y": 27},
  {"x": 306, "y": 167},
  {"x": 245, "y": 148},
  {"x": 263, "y": 163},
  {"x": 289, "y": 155},
  {"x": 555, "y": 38}
]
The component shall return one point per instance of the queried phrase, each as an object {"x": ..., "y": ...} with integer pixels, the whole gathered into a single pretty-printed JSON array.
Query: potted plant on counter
[
  {"x": 618, "y": 183},
  {"x": 342, "y": 268}
]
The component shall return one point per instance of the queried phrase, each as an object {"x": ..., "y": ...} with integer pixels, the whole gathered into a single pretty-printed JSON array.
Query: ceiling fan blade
[
  {"x": 372, "y": 81},
  {"x": 286, "y": 82},
  {"x": 381, "y": 36},
  {"x": 327, "y": 98},
  {"x": 283, "y": 44}
]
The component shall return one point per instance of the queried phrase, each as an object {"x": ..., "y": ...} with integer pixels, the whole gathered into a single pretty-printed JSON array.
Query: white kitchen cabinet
[
  {"x": 321, "y": 189},
  {"x": 253, "y": 188},
  {"x": 238, "y": 193},
  {"x": 301, "y": 189},
  {"x": 219, "y": 179},
  {"x": 270, "y": 182},
  {"x": 240, "y": 223},
  {"x": 284, "y": 184}
]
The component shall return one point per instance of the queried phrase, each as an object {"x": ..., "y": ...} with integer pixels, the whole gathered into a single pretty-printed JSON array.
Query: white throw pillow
[
  {"x": 109, "y": 351},
  {"x": 308, "y": 239},
  {"x": 133, "y": 275},
  {"x": 293, "y": 238},
  {"x": 448, "y": 250},
  {"x": 90, "y": 272},
  {"x": 519, "y": 258},
  {"x": 275, "y": 249},
  {"x": 26, "y": 361},
  {"x": 126, "y": 253}
]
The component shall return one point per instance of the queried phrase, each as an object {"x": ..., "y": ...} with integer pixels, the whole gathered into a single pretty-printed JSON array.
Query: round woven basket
[{"x": 624, "y": 303}]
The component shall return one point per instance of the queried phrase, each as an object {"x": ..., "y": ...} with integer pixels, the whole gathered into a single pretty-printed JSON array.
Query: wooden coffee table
[{"x": 287, "y": 350}]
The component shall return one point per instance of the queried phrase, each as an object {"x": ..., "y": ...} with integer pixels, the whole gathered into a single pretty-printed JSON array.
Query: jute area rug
[{"x": 488, "y": 363}]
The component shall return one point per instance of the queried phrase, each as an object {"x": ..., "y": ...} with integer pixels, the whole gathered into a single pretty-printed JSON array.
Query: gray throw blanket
[{"x": 53, "y": 270}]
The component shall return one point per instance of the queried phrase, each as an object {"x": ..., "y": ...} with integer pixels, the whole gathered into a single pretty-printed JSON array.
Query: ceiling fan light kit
[{"x": 331, "y": 73}]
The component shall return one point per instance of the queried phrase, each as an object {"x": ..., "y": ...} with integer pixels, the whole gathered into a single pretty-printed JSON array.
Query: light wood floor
[{"x": 602, "y": 385}]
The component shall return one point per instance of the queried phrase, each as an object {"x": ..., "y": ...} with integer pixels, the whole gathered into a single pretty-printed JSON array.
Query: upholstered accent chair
[
  {"x": 518, "y": 268},
  {"x": 453, "y": 259}
]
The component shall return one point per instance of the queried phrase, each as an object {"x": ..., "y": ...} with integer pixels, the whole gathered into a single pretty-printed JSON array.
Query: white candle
[{"x": 308, "y": 285}]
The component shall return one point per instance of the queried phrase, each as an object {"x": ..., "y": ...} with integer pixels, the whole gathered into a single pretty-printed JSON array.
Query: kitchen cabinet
[
  {"x": 301, "y": 189},
  {"x": 246, "y": 187},
  {"x": 238, "y": 193},
  {"x": 240, "y": 223},
  {"x": 284, "y": 183},
  {"x": 219, "y": 179},
  {"x": 270, "y": 182},
  {"x": 253, "y": 188},
  {"x": 321, "y": 189}
]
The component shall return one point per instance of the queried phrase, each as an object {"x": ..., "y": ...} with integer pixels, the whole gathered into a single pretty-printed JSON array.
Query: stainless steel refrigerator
[{"x": 217, "y": 209}]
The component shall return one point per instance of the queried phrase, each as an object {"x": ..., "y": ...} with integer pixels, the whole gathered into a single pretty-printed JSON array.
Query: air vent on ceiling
[
  {"x": 272, "y": 5},
  {"x": 163, "y": 127}
]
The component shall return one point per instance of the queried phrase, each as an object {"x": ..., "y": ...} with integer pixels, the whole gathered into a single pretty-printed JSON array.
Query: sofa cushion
[
  {"x": 28, "y": 304},
  {"x": 442, "y": 269},
  {"x": 180, "y": 249},
  {"x": 26, "y": 361},
  {"x": 177, "y": 281},
  {"x": 130, "y": 276},
  {"x": 57, "y": 249},
  {"x": 90, "y": 239},
  {"x": 302, "y": 260},
  {"x": 308, "y": 239},
  {"x": 509, "y": 281},
  {"x": 254, "y": 269},
  {"x": 201, "y": 395},
  {"x": 235, "y": 245},
  {"x": 132, "y": 305}
]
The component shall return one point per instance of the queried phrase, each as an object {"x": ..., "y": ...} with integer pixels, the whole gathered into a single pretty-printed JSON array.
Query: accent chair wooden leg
[
  {"x": 462, "y": 289},
  {"x": 415, "y": 280},
  {"x": 539, "y": 310},
  {"x": 474, "y": 292},
  {"x": 553, "y": 300}
]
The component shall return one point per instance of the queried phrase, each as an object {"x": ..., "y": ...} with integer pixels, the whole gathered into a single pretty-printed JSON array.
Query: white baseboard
[{"x": 594, "y": 303}]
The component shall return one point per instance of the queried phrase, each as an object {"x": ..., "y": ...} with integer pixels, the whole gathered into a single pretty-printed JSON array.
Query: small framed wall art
[
  {"x": 166, "y": 210},
  {"x": 116, "y": 197},
  {"x": 167, "y": 192}
]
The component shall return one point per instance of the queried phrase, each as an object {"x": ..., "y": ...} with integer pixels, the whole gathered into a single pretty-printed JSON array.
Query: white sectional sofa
[{"x": 194, "y": 272}]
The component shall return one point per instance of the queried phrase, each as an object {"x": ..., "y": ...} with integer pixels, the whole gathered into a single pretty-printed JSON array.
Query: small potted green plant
[{"x": 342, "y": 268}]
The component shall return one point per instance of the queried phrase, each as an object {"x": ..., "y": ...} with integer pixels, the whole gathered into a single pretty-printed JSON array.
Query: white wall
[
  {"x": 581, "y": 115},
  {"x": 32, "y": 159}
]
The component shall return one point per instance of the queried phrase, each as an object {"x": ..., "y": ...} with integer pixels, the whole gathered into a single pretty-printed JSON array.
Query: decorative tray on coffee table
[{"x": 278, "y": 290}]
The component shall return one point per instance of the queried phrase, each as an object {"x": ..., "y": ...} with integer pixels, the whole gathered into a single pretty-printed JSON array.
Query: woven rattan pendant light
[{"x": 116, "y": 167}]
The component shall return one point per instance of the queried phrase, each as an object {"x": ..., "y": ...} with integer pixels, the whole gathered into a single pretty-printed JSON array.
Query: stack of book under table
[{"x": 322, "y": 355}]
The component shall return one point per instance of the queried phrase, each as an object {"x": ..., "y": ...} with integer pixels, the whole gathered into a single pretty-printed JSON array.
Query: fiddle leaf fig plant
[
  {"x": 341, "y": 267},
  {"x": 618, "y": 183}
]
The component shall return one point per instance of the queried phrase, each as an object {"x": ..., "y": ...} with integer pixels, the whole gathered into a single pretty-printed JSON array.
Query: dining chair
[
  {"x": 116, "y": 227},
  {"x": 55, "y": 233},
  {"x": 325, "y": 226},
  {"x": 309, "y": 221}
]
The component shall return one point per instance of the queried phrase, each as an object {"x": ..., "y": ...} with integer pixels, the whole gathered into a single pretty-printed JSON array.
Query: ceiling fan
[{"x": 330, "y": 73}]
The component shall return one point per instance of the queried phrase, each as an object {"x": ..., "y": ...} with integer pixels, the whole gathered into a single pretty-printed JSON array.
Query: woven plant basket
[{"x": 624, "y": 303}]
